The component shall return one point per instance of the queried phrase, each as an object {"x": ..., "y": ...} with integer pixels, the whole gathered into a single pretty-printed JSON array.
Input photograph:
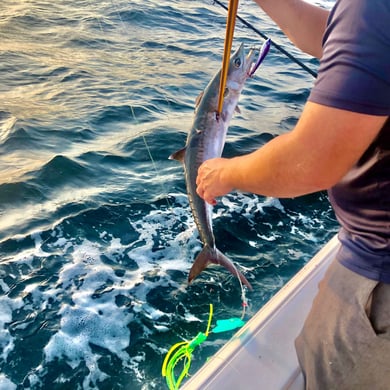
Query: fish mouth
[{"x": 263, "y": 51}]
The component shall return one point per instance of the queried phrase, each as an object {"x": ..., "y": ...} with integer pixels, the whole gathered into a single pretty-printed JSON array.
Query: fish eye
[{"x": 237, "y": 62}]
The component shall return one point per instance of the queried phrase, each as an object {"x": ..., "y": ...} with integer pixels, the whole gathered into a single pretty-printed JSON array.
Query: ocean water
[{"x": 96, "y": 235}]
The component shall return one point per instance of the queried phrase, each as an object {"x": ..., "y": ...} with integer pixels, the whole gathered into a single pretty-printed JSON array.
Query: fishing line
[
  {"x": 274, "y": 44},
  {"x": 243, "y": 295},
  {"x": 170, "y": 207},
  {"x": 149, "y": 151}
]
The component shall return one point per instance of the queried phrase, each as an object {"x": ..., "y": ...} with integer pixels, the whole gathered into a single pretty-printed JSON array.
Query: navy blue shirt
[{"x": 354, "y": 75}]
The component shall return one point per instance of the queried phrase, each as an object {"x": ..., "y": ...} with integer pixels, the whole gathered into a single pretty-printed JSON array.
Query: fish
[{"x": 206, "y": 140}]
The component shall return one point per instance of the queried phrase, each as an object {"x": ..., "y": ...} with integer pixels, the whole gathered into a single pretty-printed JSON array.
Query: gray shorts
[{"x": 345, "y": 341}]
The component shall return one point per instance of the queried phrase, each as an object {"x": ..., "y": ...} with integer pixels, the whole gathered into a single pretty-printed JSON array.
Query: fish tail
[{"x": 213, "y": 255}]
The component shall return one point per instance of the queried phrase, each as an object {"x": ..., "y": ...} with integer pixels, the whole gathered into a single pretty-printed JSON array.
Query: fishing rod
[
  {"x": 277, "y": 46},
  {"x": 230, "y": 23}
]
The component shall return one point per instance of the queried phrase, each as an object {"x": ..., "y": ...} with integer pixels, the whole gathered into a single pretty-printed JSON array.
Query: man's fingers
[
  {"x": 212, "y": 201},
  {"x": 201, "y": 182},
  {"x": 200, "y": 191}
]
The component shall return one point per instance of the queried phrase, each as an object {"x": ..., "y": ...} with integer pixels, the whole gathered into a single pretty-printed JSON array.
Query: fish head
[{"x": 240, "y": 68}]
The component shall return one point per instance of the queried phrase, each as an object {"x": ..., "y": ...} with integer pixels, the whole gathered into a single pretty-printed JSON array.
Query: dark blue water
[{"x": 96, "y": 236}]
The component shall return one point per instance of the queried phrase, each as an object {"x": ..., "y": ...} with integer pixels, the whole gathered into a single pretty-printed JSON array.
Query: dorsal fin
[{"x": 178, "y": 155}]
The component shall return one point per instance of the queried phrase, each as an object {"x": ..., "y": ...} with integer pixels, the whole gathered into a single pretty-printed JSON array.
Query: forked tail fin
[{"x": 213, "y": 255}]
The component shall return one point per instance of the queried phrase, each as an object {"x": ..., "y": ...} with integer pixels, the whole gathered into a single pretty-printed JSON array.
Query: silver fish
[{"x": 206, "y": 140}]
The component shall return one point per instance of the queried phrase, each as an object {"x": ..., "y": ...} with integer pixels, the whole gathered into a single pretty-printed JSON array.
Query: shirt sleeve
[{"x": 354, "y": 72}]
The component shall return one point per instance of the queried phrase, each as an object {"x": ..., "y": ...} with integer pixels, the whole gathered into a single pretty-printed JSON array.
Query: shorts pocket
[{"x": 378, "y": 311}]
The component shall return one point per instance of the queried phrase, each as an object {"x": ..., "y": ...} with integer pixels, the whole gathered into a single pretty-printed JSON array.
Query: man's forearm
[
  {"x": 314, "y": 156},
  {"x": 302, "y": 22}
]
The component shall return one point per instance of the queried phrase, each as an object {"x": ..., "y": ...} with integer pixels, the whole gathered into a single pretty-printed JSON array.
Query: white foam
[
  {"x": 155, "y": 229},
  {"x": 7, "y": 306},
  {"x": 6, "y": 384},
  {"x": 91, "y": 318},
  {"x": 4, "y": 286}
]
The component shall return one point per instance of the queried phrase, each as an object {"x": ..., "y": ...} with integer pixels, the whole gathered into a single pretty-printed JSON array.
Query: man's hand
[{"x": 212, "y": 179}]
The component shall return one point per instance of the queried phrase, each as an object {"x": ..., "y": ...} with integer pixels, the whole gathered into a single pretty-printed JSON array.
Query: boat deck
[{"x": 261, "y": 355}]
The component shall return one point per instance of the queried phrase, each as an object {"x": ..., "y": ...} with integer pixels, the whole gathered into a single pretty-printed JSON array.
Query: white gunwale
[{"x": 261, "y": 355}]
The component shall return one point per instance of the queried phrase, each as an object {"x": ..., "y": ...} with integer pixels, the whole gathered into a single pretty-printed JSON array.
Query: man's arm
[
  {"x": 303, "y": 23},
  {"x": 323, "y": 146}
]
